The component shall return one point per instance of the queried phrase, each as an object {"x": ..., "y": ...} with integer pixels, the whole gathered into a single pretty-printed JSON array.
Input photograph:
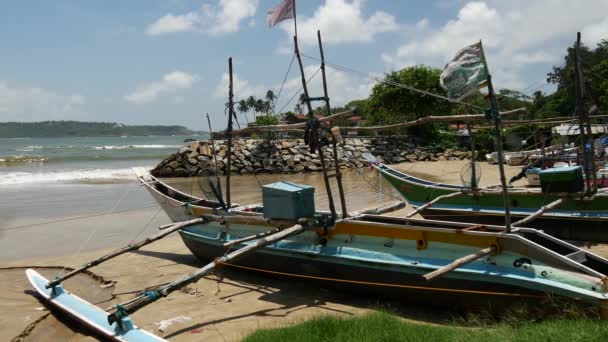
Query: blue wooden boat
[{"x": 389, "y": 255}]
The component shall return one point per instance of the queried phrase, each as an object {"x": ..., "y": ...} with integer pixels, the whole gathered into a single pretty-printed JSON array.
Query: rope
[
  {"x": 283, "y": 84},
  {"x": 94, "y": 231},
  {"x": 359, "y": 282},
  {"x": 300, "y": 90},
  {"x": 26, "y": 226},
  {"x": 399, "y": 85}
]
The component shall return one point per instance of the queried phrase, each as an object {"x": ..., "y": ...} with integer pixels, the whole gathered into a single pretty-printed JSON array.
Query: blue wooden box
[{"x": 288, "y": 201}]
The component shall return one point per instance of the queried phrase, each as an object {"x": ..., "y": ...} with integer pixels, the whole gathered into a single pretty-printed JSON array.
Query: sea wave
[
  {"x": 106, "y": 147},
  {"x": 84, "y": 175},
  {"x": 125, "y": 147},
  {"x": 18, "y": 159}
]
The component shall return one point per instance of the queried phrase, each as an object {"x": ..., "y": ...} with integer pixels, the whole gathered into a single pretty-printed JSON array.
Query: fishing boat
[
  {"x": 369, "y": 251},
  {"x": 577, "y": 218}
]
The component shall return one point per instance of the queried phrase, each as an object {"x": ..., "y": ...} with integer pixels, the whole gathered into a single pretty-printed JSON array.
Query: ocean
[
  {"x": 81, "y": 159},
  {"x": 61, "y": 195}
]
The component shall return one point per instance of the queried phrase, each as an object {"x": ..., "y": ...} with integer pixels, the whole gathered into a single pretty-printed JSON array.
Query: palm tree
[
  {"x": 270, "y": 98},
  {"x": 243, "y": 108},
  {"x": 251, "y": 105},
  {"x": 298, "y": 108}
]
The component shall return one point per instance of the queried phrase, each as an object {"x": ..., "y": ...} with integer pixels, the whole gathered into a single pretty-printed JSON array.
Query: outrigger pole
[
  {"x": 172, "y": 228},
  {"x": 148, "y": 297}
]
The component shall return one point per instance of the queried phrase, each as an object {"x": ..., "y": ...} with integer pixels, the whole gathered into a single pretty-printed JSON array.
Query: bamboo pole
[
  {"x": 459, "y": 262},
  {"x": 229, "y": 133},
  {"x": 383, "y": 209},
  {"x": 538, "y": 213},
  {"x": 173, "y": 228},
  {"x": 442, "y": 197},
  {"x": 297, "y": 127},
  {"x": 152, "y": 296},
  {"x": 499, "y": 150},
  {"x": 428, "y": 119},
  {"x": 338, "y": 174}
]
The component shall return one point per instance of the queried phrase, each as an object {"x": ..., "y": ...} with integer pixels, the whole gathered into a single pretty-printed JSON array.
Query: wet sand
[{"x": 213, "y": 309}]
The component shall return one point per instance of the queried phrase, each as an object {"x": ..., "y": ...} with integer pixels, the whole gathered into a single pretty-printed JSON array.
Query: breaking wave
[
  {"x": 18, "y": 159},
  {"x": 108, "y": 147},
  {"x": 92, "y": 175}
]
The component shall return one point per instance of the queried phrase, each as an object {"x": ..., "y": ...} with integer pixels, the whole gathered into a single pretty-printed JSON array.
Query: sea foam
[{"x": 9, "y": 178}]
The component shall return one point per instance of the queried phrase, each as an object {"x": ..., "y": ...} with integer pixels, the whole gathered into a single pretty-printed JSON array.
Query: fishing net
[{"x": 466, "y": 174}]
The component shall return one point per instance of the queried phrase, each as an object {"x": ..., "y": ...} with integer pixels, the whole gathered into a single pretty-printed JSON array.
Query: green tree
[{"x": 391, "y": 104}]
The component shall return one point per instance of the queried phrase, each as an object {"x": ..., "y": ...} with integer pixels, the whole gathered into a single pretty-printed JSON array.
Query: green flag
[{"x": 465, "y": 73}]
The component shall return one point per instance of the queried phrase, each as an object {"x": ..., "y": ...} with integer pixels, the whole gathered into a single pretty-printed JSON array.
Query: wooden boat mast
[
  {"x": 229, "y": 132},
  {"x": 473, "y": 156},
  {"x": 586, "y": 134},
  {"x": 498, "y": 134},
  {"x": 315, "y": 136}
]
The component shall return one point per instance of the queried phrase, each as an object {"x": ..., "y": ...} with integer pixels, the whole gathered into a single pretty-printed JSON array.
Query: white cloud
[
  {"x": 173, "y": 23},
  {"x": 35, "y": 104},
  {"x": 514, "y": 33},
  {"x": 341, "y": 21},
  {"x": 224, "y": 17},
  {"x": 170, "y": 83},
  {"x": 594, "y": 33}
]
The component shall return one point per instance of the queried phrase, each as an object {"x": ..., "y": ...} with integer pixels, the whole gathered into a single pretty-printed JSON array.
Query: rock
[
  {"x": 174, "y": 164},
  {"x": 194, "y": 146},
  {"x": 193, "y": 154},
  {"x": 192, "y": 161},
  {"x": 183, "y": 149},
  {"x": 205, "y": 150}
]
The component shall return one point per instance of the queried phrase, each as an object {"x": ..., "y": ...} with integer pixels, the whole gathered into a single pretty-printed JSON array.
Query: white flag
[{"x": 285, "y": 10}]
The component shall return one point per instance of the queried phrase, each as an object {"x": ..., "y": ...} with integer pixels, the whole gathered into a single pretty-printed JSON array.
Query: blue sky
[{"x": 165, "y": 62}]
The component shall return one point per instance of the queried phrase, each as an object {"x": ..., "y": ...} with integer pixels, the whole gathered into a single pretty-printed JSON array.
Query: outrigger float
[{"x": 444, "y": 262}]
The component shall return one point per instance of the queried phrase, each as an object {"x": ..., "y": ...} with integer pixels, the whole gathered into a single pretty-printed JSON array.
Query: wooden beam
[
  {"x": 459, "y": 262},
  {"x": 386, "y": 208},
  {"x": 428, "y": 119},
  {"x": 292, "y": 127},
  {"x": 538, "y": 213},
  {"x": 443, "y": 197}
]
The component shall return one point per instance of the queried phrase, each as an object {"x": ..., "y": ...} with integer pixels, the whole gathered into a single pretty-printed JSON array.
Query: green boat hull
[{"x": 577, "y": 218}]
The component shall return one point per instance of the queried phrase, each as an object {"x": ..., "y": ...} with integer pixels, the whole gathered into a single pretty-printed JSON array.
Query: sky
[{"x": 165, "y": 61}]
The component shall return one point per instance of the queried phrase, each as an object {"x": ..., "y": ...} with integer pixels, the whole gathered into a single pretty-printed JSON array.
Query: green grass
[{"x": 381, "y": 326}]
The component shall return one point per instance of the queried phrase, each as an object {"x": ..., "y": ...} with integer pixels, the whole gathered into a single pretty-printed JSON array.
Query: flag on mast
[
  {"x": 285, "y": 10},
  {"x": 465, "y": 73}
]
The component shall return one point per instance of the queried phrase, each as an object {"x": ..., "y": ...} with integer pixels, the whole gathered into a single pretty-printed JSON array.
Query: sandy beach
[{"x": 225, "y": 306}]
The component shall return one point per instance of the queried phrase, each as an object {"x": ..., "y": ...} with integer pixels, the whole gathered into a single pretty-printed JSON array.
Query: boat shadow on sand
[{"x": 295, "y": 295}]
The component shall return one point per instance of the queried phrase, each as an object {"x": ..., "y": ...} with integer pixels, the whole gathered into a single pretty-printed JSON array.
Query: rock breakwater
[{"x": 289, "y": 156}]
